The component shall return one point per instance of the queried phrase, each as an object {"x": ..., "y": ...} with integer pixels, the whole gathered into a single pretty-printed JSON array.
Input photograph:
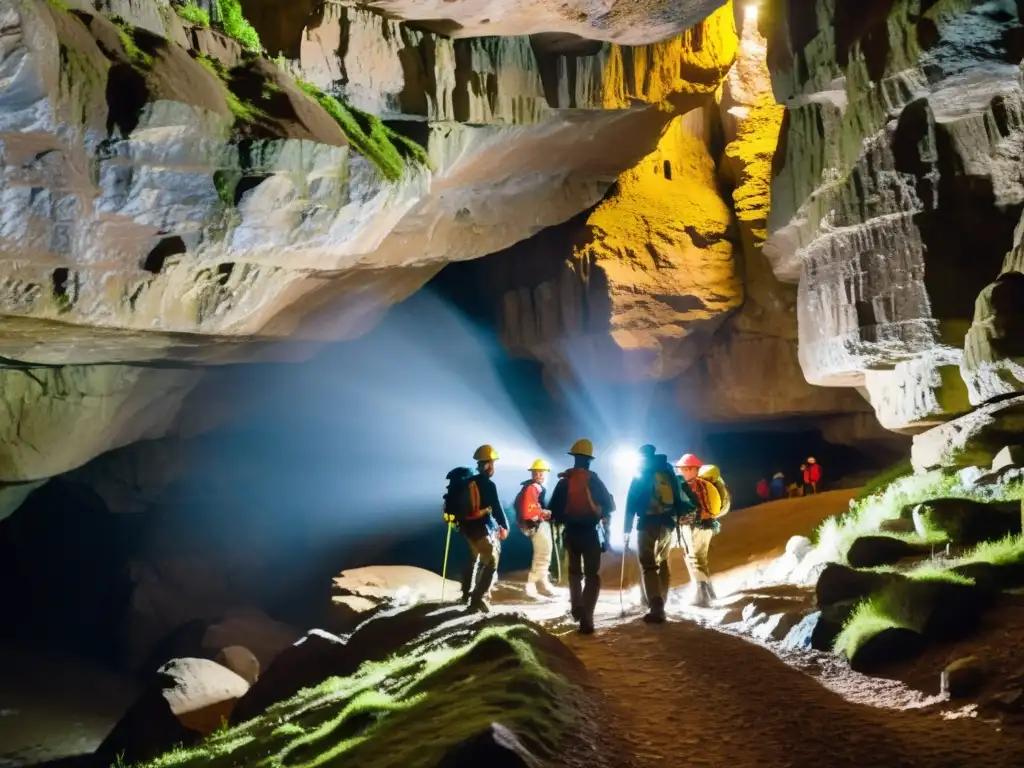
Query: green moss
[
  {"x": 59, "y": 5},
  {"x": 408, "y": 710},
  {"x": 242, "y": 111},
  {"x": 193, "y": 14},
  {"x": 236, "y": 26},
  {"x": 385, "y": 148},
  {"x": 1006, "y": 551},
  {"x": 225, "y": 183},
  {"x": 136, "y": 55}
]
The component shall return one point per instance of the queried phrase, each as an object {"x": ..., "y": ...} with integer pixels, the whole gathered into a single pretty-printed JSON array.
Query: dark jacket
[
  {"x": 638, "y": 499},
  {"x": 600, "y": 494},
  {"x": 477, "y": 529}
]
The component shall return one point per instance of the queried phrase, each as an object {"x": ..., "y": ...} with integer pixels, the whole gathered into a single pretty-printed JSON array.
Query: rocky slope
[{"x": 170, "y": 197}]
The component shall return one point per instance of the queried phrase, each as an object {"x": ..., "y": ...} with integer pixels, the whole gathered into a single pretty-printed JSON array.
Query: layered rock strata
[{"x": 897, "y": 189}]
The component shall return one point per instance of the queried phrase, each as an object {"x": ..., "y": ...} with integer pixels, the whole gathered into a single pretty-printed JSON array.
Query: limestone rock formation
[
  {"x": 896, "y": 191},
  {"x": 170, "y": 197},
  {"x": 750, "y": 370},
  {"x": 629, "y": 22}
]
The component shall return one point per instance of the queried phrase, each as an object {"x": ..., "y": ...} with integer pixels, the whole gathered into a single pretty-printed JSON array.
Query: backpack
[
  {"x": 579, "y": 504},
  {"x": 663, "y": 496},
  {"x": 712, "y": 474},
  {"x": 462, "y": 499},
  {"x": 527, "y": 504},
  {"x": 710, "y": 499}
]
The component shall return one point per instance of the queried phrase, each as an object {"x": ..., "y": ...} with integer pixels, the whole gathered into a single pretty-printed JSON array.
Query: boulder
[
  {"x": 897, "y": 525},
  {"x": 890, "y": 646},
  {"x": 963, "y": 678},
  {"x": 254, "y": 630},
  {"x": 799, "y": 547},
  {"x": 316, "y": 657},
  {"x": 1011, "y": 456},
  {"x": 241, "y": 661},
  {"x": 839, "y": 583},
  {"x": 396, "y": 584},
  {"x": 873, "y": 551},
  {"x": 964, "y": 522},
  {"x": 186, "y": 700},
  {"x": 777, "y": 626},
  {"x": 819, "y": 630},
  {"x": 971, "y": 440},
  {"x": 496, "y": 747}
]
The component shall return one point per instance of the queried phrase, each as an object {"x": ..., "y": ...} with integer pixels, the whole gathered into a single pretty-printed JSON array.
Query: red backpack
[
  {"x": 579, "y": 504},
  {"x": 527, "y": 504}
]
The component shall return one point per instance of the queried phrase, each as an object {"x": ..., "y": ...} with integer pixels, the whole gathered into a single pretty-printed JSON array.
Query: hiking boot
[
  {"x": 709, "y": 588},
  {"x": 545, "y": 589},
  {"x": 700, "y": 596},
  {"x": 479, "y": 606},
  {"x": 656, "y": 615},
  {"x": 586, "y": 626},
  {"x": 531, "y": 590},
  {"x": 577, "y": 613}
]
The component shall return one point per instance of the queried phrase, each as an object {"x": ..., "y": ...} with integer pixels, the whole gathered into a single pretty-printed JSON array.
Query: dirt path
[
  {"x": 685, "y": 694},
  {"x": 680, "y": 694}
]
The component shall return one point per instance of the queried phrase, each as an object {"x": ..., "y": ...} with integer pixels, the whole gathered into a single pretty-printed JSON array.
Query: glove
[
  {"x": 502, "y": 534},
  {"x": 450, "y": 519}
]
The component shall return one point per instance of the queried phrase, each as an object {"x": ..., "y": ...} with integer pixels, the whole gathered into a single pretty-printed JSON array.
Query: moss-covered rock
[
  {"x": 422, "y": 704},
  {"x": 873, "y": 551}
]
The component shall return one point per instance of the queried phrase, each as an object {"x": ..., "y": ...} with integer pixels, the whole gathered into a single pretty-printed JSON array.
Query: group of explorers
[
  {"x": 667, "y": 509},
  {"x": 810, "y": 474}
]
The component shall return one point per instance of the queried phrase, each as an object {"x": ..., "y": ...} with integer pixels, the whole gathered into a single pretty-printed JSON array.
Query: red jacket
[
  {"x": 813, "y": 474},
  {"x": 763, "y": 491}
]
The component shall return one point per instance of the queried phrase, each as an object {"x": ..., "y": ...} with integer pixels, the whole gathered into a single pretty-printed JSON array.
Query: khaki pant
[
  {"x": 540, "y": 537},
  {"x": 655, "y": 544},
  {"x": 483, "y": 552},
  {"x": 698, "y": 542}
]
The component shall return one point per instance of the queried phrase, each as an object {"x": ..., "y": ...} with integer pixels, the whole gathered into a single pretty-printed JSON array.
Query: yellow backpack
[{"x": 718, "y": 495}]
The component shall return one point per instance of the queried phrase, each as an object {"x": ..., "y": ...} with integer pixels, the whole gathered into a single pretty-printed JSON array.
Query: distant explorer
[
  {"x": 656, "y": 501},
  {"x": 698, "y": 533},
  {"x": 763, "y": 491},
  {"x": 805, "y": 474},
  {"x": 583, "y": 506},
  {"x": 778, "y": 486},
  {"x": 813, "y": 473},
  {"x": 472, "y": 502},
  {"x": 534, "y": 521}
]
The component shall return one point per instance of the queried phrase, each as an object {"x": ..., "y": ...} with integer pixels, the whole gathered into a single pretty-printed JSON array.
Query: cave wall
[{"x": 896, "y": 190}]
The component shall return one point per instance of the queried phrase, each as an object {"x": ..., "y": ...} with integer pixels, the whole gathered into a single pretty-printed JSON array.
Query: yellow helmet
[
  {"x": 582, "y": 448},
  {"x": 485, "y": 453},
  {"x": 540, "y": 466}
]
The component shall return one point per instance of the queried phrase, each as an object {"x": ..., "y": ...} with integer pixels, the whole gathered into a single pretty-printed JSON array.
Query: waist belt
[{"x": 482, "y": 513}]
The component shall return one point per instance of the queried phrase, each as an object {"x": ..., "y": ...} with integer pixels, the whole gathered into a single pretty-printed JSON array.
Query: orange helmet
[{"x": 689, "y": 460}]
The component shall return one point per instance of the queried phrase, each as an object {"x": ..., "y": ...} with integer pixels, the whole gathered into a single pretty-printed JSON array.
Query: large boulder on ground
[
  {"x": 965, "y": 522},
  {"x": 252, "y": 629},
  {"x": 890, "y": 646},
  {"x": 320, "y": 655},
  {"x": 838, "y": 583},
  {"x": 873, "y": 551},
  {"x": 241, "y": 661},
  {"x": 186, "y": 700},
  {"x": 971, "y": 440},
  {"x": 819, "y": 630},
  {"x": 964, "y": 677},
  {"x": 316, "y": 657}
]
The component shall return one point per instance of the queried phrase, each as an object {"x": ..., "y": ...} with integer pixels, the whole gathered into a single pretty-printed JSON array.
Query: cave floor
[{"x": 53, "y": 706}]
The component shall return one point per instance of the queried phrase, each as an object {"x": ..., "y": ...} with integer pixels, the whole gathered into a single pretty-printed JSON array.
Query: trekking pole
[
  {"x": 444, "y": 568},
  {"x": 622, "y": 578},
  {"x": 558, "y": 553}
]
